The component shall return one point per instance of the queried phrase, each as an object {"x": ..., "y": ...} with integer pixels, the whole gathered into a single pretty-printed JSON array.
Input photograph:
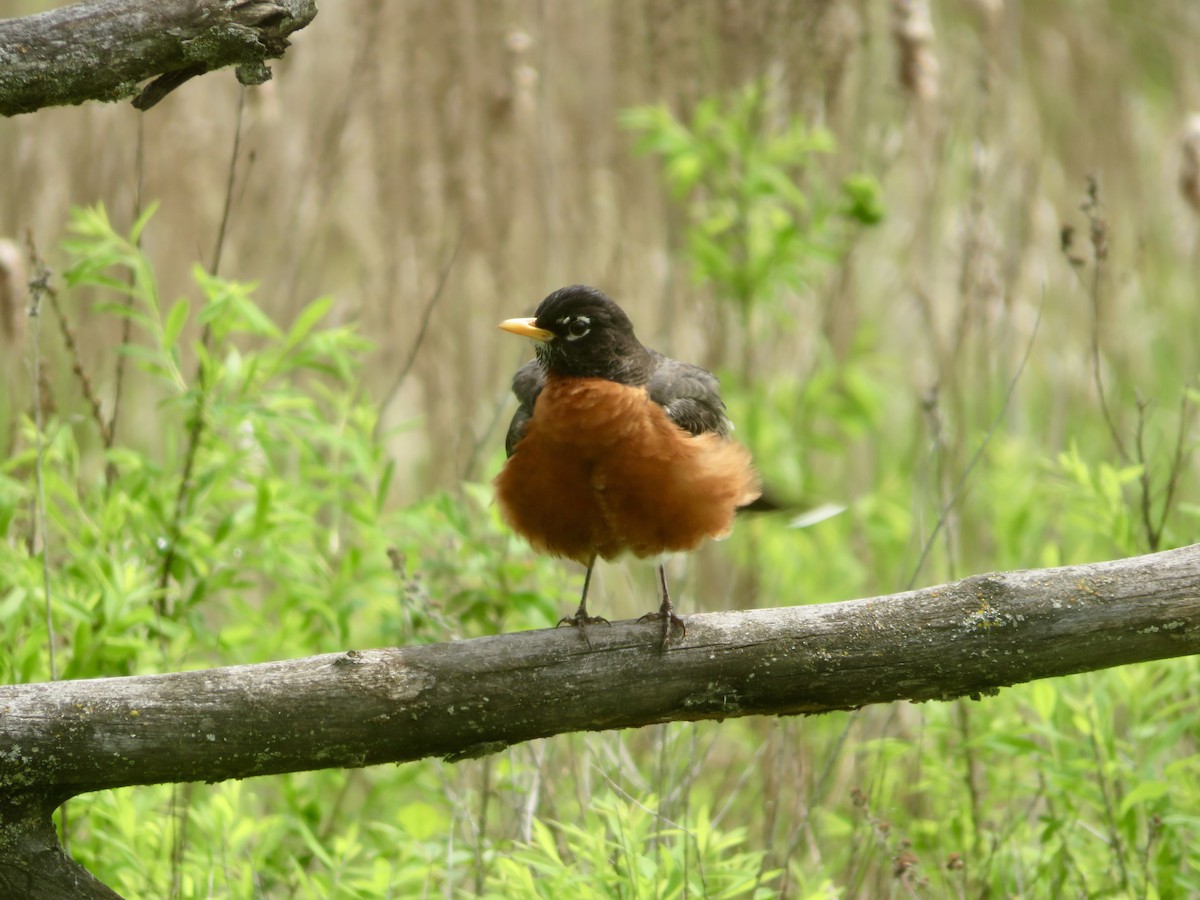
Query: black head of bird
[{"x": 581, "y": 333}]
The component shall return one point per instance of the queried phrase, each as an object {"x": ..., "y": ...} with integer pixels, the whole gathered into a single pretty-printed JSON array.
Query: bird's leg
[
  {"x": 666, "y": 612},
  {"x": 581, "y": 619}
]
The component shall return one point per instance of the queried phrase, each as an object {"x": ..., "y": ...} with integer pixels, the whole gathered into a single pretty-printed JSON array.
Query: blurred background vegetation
[{"x": 944, "y": 258}]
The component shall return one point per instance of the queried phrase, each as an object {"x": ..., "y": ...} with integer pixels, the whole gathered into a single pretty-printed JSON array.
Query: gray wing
[
  {"x": 690, "y": 395},
  {"x": 526, "y": 384}
]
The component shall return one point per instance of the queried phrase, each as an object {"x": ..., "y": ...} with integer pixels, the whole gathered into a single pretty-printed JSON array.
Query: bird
[{"x": 615, "y": 448}]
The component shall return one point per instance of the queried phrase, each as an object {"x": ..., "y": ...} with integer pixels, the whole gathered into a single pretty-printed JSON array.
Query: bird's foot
[
  {"x": 579, "y": 620},
  {"x": 667, "y": 616},
  {"x": 582, "y": 620}
]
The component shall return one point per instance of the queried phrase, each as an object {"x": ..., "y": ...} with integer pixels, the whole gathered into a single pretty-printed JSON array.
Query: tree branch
[
  {"x": 103, "y": 49},
  {"x": 471, "y": 698}
]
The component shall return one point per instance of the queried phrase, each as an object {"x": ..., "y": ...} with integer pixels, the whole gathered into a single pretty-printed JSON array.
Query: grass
[{"x": 948, "y": 366}]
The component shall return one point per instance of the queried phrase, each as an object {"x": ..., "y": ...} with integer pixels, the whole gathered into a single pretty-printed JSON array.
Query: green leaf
[
  {"x": 135, "y": 233},
  {"x": 174, "y": 323},
  {"x": 1143, "y": 793},
  {"x": 307, "y": 320}
]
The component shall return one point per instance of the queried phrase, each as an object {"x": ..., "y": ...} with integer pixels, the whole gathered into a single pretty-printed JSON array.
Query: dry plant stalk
[
  {"x": 1189, "y": 163},
  {"x": 912, "y": 29},
  {"x": 14, "y": 294}
]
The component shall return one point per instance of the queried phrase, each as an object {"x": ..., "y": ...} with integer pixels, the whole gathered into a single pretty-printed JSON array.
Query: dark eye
[{"x": 578, "y": 327}]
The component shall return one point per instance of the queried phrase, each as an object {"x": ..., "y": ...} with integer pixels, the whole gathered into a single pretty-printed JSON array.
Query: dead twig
[{"x": 39, "y": 287}]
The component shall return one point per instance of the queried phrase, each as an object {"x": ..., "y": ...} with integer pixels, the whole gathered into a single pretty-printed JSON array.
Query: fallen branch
[
  {"x": 104, "y": 49},
  {"x": 475, "y": 697}
]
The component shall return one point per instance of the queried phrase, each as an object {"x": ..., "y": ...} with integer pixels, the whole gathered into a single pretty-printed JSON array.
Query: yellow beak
[{"x": 526, "y": 328}]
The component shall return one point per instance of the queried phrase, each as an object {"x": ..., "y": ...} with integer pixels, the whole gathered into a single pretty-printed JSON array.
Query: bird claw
[
  {"x": 669, "y": 620},
  {"x": 657, "y": 616},
  {"x": 579, "y": 621},
  {"x": 582, "y": 620}
]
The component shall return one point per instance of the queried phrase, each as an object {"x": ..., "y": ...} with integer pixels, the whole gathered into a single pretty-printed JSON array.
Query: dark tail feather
[
  {"x": 768, "y": 502},
  {"x": 804, "y": 513}
]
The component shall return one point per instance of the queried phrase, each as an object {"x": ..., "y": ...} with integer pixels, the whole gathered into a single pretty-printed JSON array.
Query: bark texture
[{"x": 104, "y": 49}]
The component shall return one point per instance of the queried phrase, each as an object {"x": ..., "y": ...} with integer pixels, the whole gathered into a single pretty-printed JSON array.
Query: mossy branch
[{"x": 105, "y": 49}]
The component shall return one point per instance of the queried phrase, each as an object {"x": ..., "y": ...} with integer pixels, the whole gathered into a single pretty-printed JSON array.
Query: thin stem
[
  {"x": 1098, "y": 236},
  {"x": 127, "y": 321},
  {"x": 499, "y": 406},
  {"x": 181, "y": 805},
  {"x": 960, "y": 487},
  {"x": 38, "y": 287},
  {"x": 1139, "y": 443},
  {"x": 228, "y": 206},
  {"x": 1097, "y": 378},
  {"x": 196, "y": 424},
  {"x": 1176, "y": 462},
  {"x": 971, "y": 775},
  {"x": 485, "y": 790},
  {"x": 941, "y": 474},
  {"x": 85, "y": 383},
  {"x": 1115, "y": 844},
  {"x": 422, "y": 329}
]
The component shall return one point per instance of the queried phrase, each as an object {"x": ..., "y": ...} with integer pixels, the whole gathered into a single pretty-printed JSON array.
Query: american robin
[{"x": 615, "y": 448}]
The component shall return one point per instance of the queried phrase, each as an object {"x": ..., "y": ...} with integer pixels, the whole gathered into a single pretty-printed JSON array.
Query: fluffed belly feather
[{"x": 602, "y": 470}]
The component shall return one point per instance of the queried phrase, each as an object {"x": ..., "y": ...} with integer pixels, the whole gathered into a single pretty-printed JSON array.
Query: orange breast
[{"x": 603, "y": 470}]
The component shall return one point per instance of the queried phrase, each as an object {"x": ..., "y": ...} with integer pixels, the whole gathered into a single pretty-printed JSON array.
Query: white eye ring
[{"x": 578, "y": 327}]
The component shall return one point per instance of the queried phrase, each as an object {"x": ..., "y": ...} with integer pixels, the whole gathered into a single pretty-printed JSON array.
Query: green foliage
[
  {"x": 284, "y": 517},
  {"x": 1096, "y": 504},
  {"x": 623, "y": 848},
  {"x": 760, "y": 216}
]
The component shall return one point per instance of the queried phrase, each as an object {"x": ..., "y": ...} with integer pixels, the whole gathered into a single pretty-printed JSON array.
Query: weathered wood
[
  {"x": 104, "y": 49},
  {"x": 366, "y": 707},
  {"x": 470, "y": 698}
]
